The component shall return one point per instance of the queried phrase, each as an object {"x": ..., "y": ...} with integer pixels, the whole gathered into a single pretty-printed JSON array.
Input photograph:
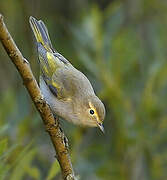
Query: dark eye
[{"x": 91, "y": 112}]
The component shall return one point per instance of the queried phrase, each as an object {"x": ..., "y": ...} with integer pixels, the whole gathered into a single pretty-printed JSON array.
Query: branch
[{"x": 51, "y": 124}]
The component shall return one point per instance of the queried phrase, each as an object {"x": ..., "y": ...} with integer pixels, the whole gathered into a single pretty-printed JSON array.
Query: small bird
[{"x": 67, "y": 90}]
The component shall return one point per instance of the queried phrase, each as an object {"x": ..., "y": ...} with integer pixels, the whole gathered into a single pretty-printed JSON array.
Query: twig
[{"x": 52, "y": 127}]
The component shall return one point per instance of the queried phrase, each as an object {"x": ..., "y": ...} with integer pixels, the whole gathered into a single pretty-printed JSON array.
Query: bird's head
[{"x": 92, "y": 112}]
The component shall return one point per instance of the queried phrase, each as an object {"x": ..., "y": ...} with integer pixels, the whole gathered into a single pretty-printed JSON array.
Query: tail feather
[
  {"x": 41, "y": 33},
  {"x": 46, "y": 33}
]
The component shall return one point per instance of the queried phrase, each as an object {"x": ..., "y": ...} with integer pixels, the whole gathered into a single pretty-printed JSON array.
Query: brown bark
[{"x": 51, "y": 124}]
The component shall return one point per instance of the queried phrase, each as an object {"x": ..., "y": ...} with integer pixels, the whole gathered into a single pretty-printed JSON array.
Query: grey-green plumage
[{"x": 67, "y": 90}]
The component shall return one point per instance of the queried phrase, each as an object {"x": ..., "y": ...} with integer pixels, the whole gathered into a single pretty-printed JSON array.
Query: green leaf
[
  {"x": 55, "y": 168},
  {"x": 3, "y": 169},
  {"x": 25, "y": 163},
  {"x": 33, "y": 172},
  {"x": 3, "y": 145}
]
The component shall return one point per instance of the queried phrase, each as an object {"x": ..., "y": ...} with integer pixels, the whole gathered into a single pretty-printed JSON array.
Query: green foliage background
[{"x": 121, "y": 47}]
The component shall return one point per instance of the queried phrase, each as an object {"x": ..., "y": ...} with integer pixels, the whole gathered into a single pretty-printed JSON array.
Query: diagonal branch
[{"x": 52, "y": 126}]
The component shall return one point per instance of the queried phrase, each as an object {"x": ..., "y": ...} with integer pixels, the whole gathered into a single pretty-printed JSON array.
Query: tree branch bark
[{"x": 51, "y": 124}]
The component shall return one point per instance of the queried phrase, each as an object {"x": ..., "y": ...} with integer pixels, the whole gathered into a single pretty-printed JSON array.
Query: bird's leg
[
  {"x": 26, "y": 61},
  {"x": 64, "y": 138},
  {"x": 56, "y": 119}
]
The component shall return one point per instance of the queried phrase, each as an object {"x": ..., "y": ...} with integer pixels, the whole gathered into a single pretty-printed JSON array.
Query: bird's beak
[{"x": 100, "y": 125}]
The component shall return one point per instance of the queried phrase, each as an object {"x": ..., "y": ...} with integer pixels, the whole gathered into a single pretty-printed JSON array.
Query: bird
[{"x": 67, "y": 90}]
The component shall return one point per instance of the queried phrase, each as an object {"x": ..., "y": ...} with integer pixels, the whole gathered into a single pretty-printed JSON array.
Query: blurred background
[{"x": 121, "y": 46}]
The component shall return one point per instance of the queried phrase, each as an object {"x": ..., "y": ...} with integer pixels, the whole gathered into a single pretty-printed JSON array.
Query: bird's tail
[{"x": 41, "y": 33}]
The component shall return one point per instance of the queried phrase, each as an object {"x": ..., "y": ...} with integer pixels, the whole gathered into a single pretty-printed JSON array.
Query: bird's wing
[
  {"x": 73, "y": 83},
  {"x": 50, "y": 61},
  {"x": 62, "y": 83},
  {"x": 54, "y": 67}
]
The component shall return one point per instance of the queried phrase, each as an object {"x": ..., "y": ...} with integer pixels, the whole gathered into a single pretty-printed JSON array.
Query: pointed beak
[{"x": 100, "y": 125}]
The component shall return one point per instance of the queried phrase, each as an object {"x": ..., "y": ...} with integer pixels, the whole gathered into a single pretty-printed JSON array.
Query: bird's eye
[{"x": 91, "y": 112}]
